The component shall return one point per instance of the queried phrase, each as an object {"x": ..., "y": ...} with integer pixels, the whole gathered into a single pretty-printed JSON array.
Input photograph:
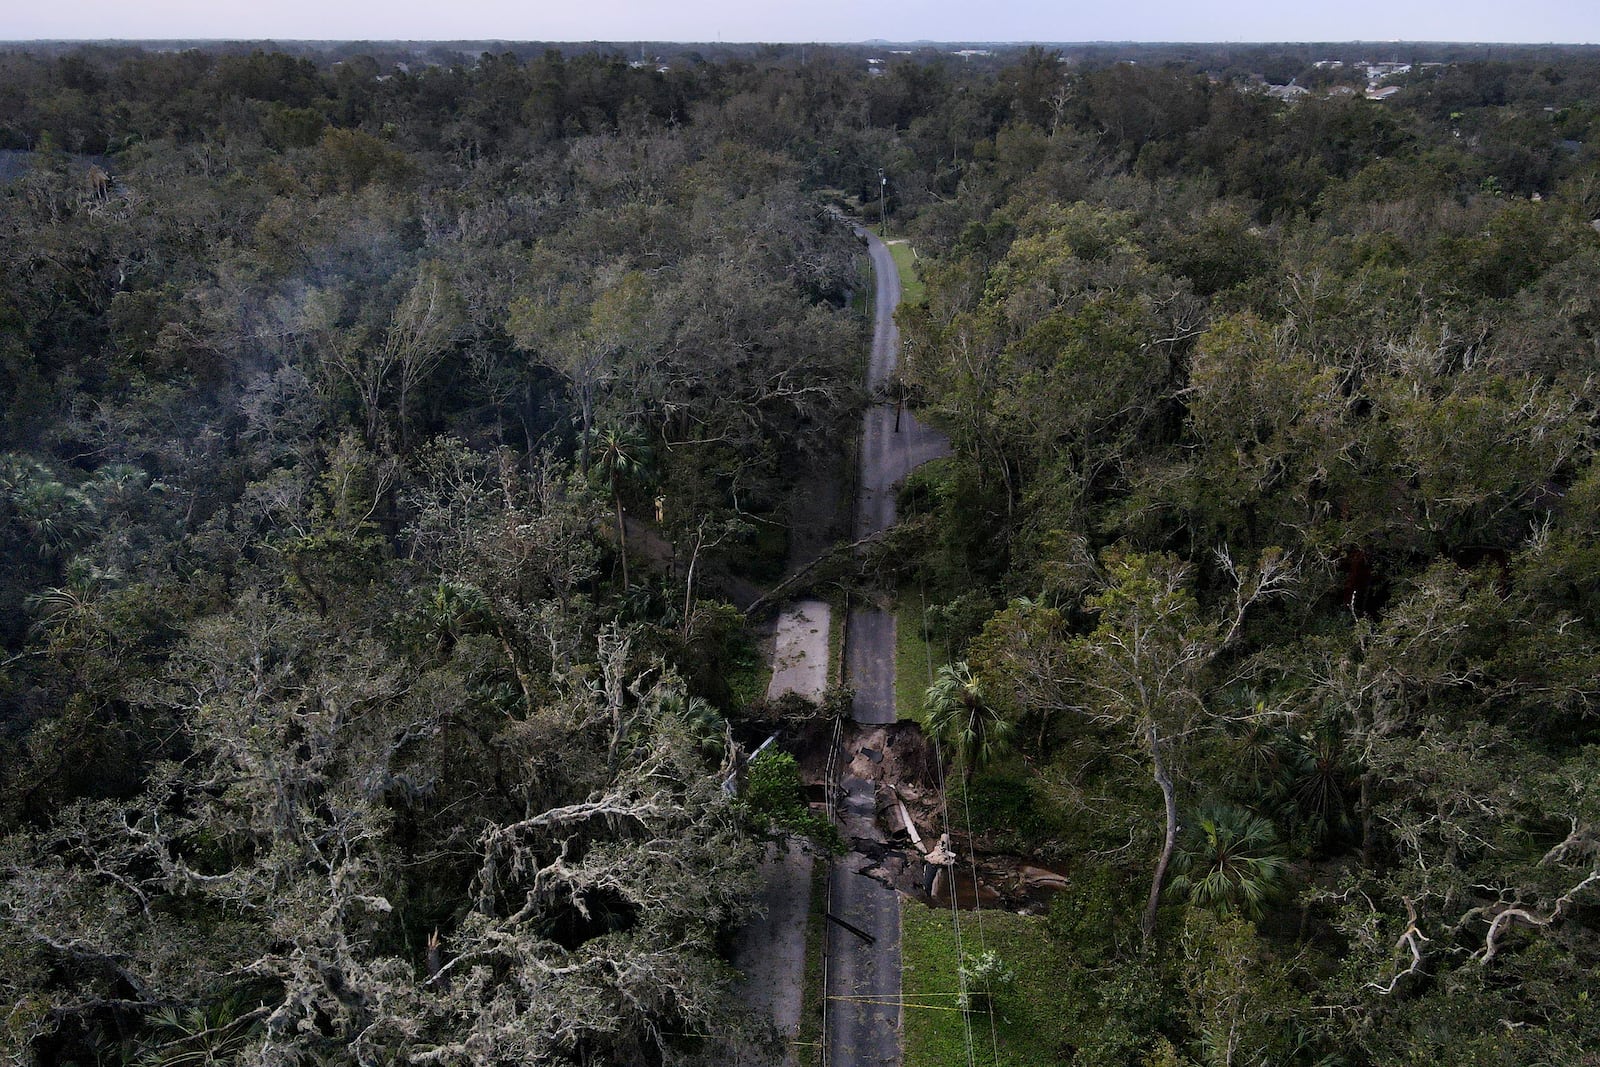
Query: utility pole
[{"x": 883, "y": 199}]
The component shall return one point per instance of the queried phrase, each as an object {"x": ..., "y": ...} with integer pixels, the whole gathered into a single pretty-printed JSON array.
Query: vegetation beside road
[
  {"x": 912, "y": 291},
  {"x": 914, "y": 659},
  {"x": 1031, "y": 1015},
  {"x": 809, "y": 1041}
]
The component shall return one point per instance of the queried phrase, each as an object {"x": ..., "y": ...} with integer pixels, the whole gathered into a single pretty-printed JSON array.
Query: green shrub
[
  {"x": 985, "y": 979},
  {"x": 775, "y": 798}
]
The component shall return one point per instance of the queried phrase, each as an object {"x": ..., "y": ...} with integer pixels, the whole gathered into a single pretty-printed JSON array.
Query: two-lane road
[
  {"x": 863, "y": 986},
  {"x": 893, "y": 444}
]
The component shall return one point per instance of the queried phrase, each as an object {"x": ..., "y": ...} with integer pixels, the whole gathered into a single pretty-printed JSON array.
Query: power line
[
  {"x": 972, "y": 854},
  {"x": 972, "y": 850},
  {"x": 944, "y": 811}
]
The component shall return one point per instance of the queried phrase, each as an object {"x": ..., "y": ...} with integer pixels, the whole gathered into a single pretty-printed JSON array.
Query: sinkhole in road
[{"x": 886, "y": 791}]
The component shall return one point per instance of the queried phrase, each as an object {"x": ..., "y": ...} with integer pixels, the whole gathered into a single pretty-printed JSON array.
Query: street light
[{"x": 883, "y": 195}]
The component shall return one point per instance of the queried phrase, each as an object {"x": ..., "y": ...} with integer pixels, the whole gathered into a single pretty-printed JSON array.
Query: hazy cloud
[{"x": 816, "y": 20}]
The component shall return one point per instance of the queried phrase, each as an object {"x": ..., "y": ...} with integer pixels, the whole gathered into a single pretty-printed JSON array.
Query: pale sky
[{"x": 1571, "y": 21}]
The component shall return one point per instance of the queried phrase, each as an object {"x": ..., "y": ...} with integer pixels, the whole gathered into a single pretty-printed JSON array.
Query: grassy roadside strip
[
  {"x": 912, "y": 291},
  {"x": 865, "y": 301},
  {"x": 838, "y": 619},
  {"x": 1029, "y": 1026},
  {"x": 914, "y": 659},
  {"x": 809, "y": 1039},
  {"x": 861, "y": 299}
]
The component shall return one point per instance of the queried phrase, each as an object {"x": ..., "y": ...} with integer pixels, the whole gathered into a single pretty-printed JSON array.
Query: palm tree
[
  {"x": 1258, "y": 760},
  {"x": 73, "y": 613},
  {"x": 451, "y": 611},
  {"x": 618, "y": 454},
  {"x": 1231, "y": 863},
  {"x": 51, "y": 514},
  {"x": 1321, "y": 771},
  {"x": 700, "y": 718},
  {"x": 960, "y": 717},
  {"x": 201, "y": 1035}
]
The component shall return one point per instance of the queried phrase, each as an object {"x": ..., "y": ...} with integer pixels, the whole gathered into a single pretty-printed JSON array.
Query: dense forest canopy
[{"x": 365, "y": 429}]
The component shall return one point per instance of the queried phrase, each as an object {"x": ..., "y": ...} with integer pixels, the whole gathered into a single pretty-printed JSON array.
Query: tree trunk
[
  {"x": 586, "y": 428},
  {"x": 622, "y": 537},
  {"x": 1158, "y": 770},
  {"x": 1368, "y": 833},
  {"x": 529, "y": 411},
  {"x": 688, "y": 585},
  {"x": 297, "y": 568},
  {"x": 1369, "y": 840},
  {"x": 524, "y": 682}
]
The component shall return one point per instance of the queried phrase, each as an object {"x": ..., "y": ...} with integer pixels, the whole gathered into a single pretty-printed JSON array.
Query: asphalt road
[
  {"x": 893, "y": 444},
  {"x": 772, "y": 953},
  {"x": 863, "y": 978},
  {"x": 863, "y": 989}
]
